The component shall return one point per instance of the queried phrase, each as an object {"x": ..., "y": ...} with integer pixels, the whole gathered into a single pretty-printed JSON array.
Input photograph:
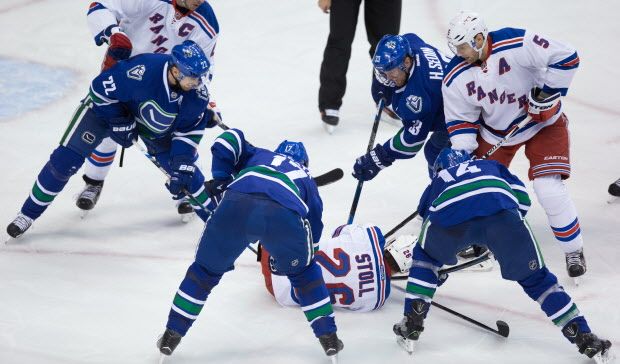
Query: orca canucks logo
[
  {"x": 136, "y": 72},
  {"x": 414, "y": 103}
]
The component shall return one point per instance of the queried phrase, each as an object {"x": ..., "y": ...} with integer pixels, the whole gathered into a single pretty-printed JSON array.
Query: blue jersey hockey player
[
  {"x": 271, "y": 197},
  {"x": 159, "y": 97},
  {"x": 408, "y": 74},
  {"x": 481, "y": 201}
]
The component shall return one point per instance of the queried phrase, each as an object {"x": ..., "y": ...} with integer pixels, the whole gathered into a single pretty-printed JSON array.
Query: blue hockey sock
[
  {"x": 191, "y": 297},
  {"x": 542, "y": 287},
  {"x": 314, "y": 299},
  {"x": 63, "y": 164},
  {"x": 422, "y": 282}
]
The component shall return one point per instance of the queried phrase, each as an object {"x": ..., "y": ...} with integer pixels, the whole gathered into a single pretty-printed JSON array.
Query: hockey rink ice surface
[{"x": 98, "y": 290}]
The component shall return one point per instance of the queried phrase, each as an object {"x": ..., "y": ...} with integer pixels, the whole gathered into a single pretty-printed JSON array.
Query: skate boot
[
  {"x": 589, "y": 344},
  {"x": 575, "y": 264},
  {"x": 614, "y": 188},
  {"x": 412, "y": 325},
  {"x": 18, "y": 227},
  {"x": 185, "y": 210},
  {"x": 168, "y": 341},
  {"x": 330, "y": 119},
  {"x": 90, "y": 195},
  {"x": 332, "y": 345}
]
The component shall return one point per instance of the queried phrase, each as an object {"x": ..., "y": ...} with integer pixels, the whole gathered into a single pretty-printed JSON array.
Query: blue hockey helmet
[
  {"x": 190, "y": 59},
  {"x": 390, "y": 53},
  {"x": 295, "y": 150},
  {"x": 449, "y": 157}
]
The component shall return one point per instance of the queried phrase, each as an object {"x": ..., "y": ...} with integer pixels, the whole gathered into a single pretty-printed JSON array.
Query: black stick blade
[
  {"x": 502, "y": 328},
  {"x": 329, "y": 177}
]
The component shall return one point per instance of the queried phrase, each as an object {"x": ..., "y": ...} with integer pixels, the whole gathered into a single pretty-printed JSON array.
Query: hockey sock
[
  {"x": 191, "y": 297},
  {"x": 553, "y": 195},
  {"x": 423, "y": 280},
  {"x": 314, "y": 299},
  {"x": 51, "y": 180},
  {"x": 542, "y": 287},
  {"x": 99, "y": 162}
]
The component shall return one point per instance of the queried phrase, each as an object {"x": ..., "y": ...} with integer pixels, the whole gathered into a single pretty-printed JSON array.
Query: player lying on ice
[
  {"x": 271, "y": 197},
  {"x": 481, "y": 201},
  {"x": 159, "y": 97},
  {"x": 356, "y": 268}
]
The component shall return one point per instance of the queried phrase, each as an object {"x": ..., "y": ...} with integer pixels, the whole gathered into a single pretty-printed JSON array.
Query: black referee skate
[
  {"x": 332, "y": 345},
  {"x": 185, "y": 210},
  {"x": 330, "y": 119},
  {"x": 614, "y": 188},
  {"x": 412, "y": 325},
  {"x": 90, "y": 194},
  {"x": 576, "y": 264},
  {"x": 168, "y": 342},
  {"x": 589, "y": 344},
  {"x": 18, "y": 227}
]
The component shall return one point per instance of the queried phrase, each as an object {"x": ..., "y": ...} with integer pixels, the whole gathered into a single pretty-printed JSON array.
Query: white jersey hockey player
[
  {"x": 355, "y": 267},
  {"x": 132, "y": 27},
  {"x": 496, "y": 80}
]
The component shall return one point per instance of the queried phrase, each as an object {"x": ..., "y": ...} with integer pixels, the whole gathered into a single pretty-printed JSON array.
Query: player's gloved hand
[
  {"x": 181, "y": 177},
  {"x": 542, "y": 106},
  {"x": 443, "y": 277},
  {"x": 368, "y": 166},
  {"x": 212, "y": 115},
  {"x": 123, "y": 130},
  {"x": 119, "y": 46},
  {"x": 215, "y": 189}
]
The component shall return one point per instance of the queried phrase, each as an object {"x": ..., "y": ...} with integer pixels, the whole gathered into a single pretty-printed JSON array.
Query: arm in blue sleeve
[
  {"x": 409, "y": 140},
  {"x": 518, "y": 189},
  {"x": 108, "y": 92},
  {"x": 229, "y": 150},
  {"x": 315, "y": 211},
  {"x": 424, "y": 203}
]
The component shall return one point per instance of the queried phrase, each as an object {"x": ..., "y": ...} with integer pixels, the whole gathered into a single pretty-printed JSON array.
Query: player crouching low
[
  {"x": 356, "y": 268},
  {"x": 480, "y": 200}
]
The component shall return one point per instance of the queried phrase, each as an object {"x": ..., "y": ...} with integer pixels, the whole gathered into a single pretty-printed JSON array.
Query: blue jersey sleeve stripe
[
  {"x": 507, "y": 47},
  {"x": 204, "y": 25},
  {"x": 460, "y": 68},
  {"x": 568, "y": 63}
]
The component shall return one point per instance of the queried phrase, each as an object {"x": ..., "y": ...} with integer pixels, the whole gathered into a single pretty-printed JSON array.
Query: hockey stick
[
  {"x": 483, "y": 258},
  {"x": 373, "y": 134},
  {"x": 486, "y": 155},
  {"x": 502, "y": 330},
  {"x": 321, "y": 180},
  {"x": 186, "y": 192}
]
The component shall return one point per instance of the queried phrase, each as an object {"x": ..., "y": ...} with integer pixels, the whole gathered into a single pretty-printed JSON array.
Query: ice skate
[
  {"x": 87, "y": 199},
  {"x": 167, "y": 343},
  {"x": 589, "y": 344},
  {"x": 411, "y": 326},
  {"x": 576, "y": 265},
  {"x": 330, "y": 119},
  {"x": 185, "y": 210},
  {"x": 614, "y": 191},
  {"x": 18, "y": 227},
  {"x": 332, "y": 346}
]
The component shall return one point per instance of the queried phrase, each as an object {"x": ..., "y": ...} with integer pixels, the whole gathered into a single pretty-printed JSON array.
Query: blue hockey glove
[
  {"x": 123, "y": 130},
  {"x": 368, "y": 166},
  {"x": 181, "y": 177}
]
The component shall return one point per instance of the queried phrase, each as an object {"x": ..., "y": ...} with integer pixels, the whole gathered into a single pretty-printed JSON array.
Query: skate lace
[
  {"x": 91, "y": 192},
  {"x": 574, "y": 258},
  {"x": 23, "y": 222}
]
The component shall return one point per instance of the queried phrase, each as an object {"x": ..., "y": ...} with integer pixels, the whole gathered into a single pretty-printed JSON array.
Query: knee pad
[
  {"x": 64, "y": 163},
  {"x": 552, "y": 194}
]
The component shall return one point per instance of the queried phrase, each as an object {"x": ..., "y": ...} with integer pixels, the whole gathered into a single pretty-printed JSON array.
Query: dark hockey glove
[
  {"x": 213, "y": 114},
  {"x": 368, "y": 166},
  {"x": 123, "y": 130},
  {"x": 181, "y": 177},
  {"x": 119, "y": 46},
  {"x": 215, "y": 189},
  {"x": 542, "y": 106}
]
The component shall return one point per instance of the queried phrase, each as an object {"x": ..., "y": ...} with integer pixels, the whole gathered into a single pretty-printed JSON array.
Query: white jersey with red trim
[
  {"x": 490, "y": 97},
  {"x": 353, "y": 270},
  {"x": 155, "y": 26}
]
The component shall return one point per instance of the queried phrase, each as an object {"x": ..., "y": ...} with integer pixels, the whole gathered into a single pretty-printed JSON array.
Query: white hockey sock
[
  {"x": 100, "y": 161},
  {"x": 553, "y": 195}
]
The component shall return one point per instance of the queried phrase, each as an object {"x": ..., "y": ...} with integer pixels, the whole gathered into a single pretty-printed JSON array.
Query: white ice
[{"x": 98, "y": 290}]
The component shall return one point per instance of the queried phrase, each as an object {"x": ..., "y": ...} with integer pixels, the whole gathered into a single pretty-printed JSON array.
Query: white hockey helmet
[
  {"x": 463, "y": 28},
  {"x": 399, "y": 254}
]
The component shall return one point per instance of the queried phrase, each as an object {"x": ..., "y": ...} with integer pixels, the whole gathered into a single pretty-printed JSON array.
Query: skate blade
[
  {"x": 162, "y": 358},
  {"x": 613, "y": 199},
  {"x": 334, "y": 359},
  {"x": 83, "y": 214},
  {"x": 185, "y": 218},
  {"x": 577, "y": 281},
  {"x": 329, "y": 128},
  {"x": 605, "y": 358},
  {"x": 406, "y": 344}
]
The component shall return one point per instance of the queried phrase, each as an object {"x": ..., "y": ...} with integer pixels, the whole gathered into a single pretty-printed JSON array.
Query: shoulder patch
[
  {"x": 137, "y": 72},
  {"x": 414, "y": 103},
  {"x": 203, "y": 93}
]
